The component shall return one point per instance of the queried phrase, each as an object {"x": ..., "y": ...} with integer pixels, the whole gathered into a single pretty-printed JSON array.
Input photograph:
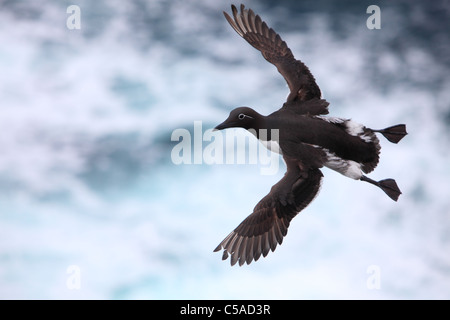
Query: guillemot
[{"x": 307, "y": 141}]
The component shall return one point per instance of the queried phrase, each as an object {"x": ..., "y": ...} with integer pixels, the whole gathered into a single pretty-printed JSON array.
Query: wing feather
[
  {"x": 257, "y": 33},
  {"x": 267, "y": 226}
]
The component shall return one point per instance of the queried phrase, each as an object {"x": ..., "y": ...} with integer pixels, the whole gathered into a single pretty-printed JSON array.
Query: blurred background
[{"x": 88, "y": 190}]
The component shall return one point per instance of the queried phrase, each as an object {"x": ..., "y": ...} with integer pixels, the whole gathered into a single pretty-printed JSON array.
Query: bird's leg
[
  {"x": 389, "y": 186},
  {"x": 394, "y": 134}
]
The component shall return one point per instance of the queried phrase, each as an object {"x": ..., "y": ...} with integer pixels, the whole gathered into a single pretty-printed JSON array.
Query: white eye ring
[{"x": 241, "y": 116}]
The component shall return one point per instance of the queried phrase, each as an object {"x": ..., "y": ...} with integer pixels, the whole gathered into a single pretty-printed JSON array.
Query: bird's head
[{"x": 242, "y": 117}]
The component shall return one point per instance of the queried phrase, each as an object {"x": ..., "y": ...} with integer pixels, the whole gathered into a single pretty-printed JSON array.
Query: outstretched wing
[
  {"x": 262, "y": 230},
  {"x": 249, "y": 26}
]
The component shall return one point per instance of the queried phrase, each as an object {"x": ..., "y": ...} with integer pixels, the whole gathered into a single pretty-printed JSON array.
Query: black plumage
[{"x": 308, "y": 140}]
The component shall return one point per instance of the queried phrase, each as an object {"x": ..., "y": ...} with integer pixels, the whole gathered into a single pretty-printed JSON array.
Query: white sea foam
[{"x": 86, "y": 177}]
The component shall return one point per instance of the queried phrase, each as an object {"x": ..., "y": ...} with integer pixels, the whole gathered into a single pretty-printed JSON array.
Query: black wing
[
  {"x": 261, "y": 231},
  {"x": 301, "y": 82}
]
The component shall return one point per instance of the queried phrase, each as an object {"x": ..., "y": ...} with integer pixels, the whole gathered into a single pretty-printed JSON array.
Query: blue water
[{"x": 86, "y": 177}]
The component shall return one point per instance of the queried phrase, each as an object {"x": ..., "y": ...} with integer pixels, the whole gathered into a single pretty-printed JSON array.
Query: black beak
[
  {"x": 224, "y": 125},
  {"x": 220, "y": 126}
]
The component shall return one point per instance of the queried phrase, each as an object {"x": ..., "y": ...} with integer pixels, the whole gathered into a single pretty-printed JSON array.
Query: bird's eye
[{"x": 241, "y": 116}]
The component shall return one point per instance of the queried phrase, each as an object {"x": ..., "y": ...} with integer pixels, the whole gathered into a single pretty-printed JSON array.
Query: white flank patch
[
  {"x": 353, "y": 170},
  {"x": 366, "y": 138},
  {"x": 357, "y": 130},
  {"x": 353, "y": 128},
  {"x": 348, "y": 168},
  {"x": 332, "y": 119}
]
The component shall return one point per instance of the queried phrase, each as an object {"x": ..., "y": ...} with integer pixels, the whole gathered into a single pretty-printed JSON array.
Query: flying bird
[{"x": 307, "y": 140}]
